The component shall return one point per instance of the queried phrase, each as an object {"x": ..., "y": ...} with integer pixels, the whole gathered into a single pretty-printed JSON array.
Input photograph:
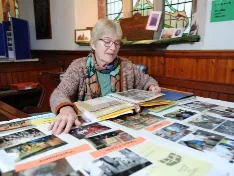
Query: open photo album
[{"x": 115, "y": 104}]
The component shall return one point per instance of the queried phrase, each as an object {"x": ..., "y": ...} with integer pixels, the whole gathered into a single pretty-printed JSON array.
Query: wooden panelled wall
[
  {"x": 23, "y": 72},
  {"x": 206, "y": 73}
]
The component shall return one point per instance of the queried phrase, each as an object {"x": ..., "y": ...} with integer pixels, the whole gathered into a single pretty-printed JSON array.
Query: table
[{"x": 181, "y": 160}]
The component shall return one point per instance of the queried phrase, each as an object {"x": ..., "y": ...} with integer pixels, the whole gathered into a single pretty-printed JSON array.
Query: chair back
[{"x": 49, "y": 82}]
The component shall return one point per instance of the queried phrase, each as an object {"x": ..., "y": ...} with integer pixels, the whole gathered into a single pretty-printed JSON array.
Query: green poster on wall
[{"x": 222, "y": 10}]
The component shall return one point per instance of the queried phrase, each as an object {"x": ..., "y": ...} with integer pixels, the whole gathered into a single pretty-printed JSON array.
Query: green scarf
[{"x": 92, "y": 84}]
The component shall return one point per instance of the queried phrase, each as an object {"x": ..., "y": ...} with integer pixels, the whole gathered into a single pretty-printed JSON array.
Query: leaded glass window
[
  {"x": 142, "y": 6},
  {"x": 178, "y": 14},
  {"x": 114, "y": 9}
]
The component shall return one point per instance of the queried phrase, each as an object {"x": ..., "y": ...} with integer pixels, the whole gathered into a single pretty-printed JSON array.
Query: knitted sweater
[{"x": 72, "y": 88}]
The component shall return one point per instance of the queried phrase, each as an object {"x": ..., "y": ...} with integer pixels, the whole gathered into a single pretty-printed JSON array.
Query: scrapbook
[{"x": 116, "y": 104}]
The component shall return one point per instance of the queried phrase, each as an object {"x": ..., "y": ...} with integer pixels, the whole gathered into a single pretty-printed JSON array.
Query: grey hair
[{"x": 105, "y": 26}]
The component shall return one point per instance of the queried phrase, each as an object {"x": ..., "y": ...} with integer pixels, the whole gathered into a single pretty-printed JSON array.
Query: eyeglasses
[{"x": 109, "y": 43}]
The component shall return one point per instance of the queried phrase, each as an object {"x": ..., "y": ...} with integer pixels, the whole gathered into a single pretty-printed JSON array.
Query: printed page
[
  {"x": 135, "y": 96},
  {"x": 102, "y": 106}
]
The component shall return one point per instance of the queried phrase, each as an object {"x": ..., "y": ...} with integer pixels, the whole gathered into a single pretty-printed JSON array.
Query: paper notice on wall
[{"x": 222, "y": 10}]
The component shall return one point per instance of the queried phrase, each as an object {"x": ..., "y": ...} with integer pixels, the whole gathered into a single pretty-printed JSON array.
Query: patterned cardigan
[{"x": 73, "y": 86}]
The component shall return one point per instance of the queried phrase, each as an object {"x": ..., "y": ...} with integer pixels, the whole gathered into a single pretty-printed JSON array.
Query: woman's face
[{"x": 106, "y": 49}]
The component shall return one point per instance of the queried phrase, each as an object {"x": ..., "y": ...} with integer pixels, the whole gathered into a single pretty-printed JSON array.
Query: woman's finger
[
  {"x": 61, "y": 126},
  {"x": 69, "y": 125}
]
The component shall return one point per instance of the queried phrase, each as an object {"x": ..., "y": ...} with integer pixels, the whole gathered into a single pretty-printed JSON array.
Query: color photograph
[
  {"x": 194, "y": 25},
  {"x": 109, "y": 139},
  {"x": 207, "y": 122},
  {"x": 173, "y": 132},
  {"x": 201, "y": 140},
  {"x": 226, "y": 128},
  {"x": 225, "y": 149},
  {"x": 121, "y": 163},
  {"x": 154, "y": 20},
  {"x": 19, "y": 137},
  {"x": 137, "y": 121},
  {"x": 88, "y": 130},
  {"x": 82, "y": 35},
  {"x": 167, "y": 33},
  {"x": 178, "y": 32},
  {"x": 15, "y": 125},
  {"x": 36, "y": 146},
  {"x": 180, "y": 114}
]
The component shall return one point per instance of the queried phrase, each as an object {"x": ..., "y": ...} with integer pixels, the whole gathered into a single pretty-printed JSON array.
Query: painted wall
[
  {"x": 65, "y": 17},
  {"x": 218, "y": 35},
  {"x": 79, "y": 14}
]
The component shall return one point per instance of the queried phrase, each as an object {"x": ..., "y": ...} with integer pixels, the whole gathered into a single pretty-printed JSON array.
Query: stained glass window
[
  {"x": 178, "y": 14},
  {"x": 16, "y": 8},
  {"x": 142, "y": 6},
  {"x": 114, "y": 9}
]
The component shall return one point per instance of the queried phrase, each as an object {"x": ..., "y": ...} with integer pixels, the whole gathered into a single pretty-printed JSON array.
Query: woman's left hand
[{"x": 155, "y": 89}]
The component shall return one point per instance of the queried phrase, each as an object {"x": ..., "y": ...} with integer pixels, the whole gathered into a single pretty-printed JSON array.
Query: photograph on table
[
  {"x": 55, "y": 168},
  {"x": 178, "y": 32},
  {"x": 223, "y": 111},
  {"x": 194, "y": 25},
  {"x": 180, "y": 114},
  {"x": 173, "y": 132},
  {"x": 226, "y": 128},
  {"x": 167, "y": 33},
  {"x": 109, "y": 139},
  {"x": 154, "y": 20},
  {"x": 15, "y": 125},
  {"x": 20, "y": 137},
  {"x": 201, "y": 140},
  {"x": 76, "y": 173},
  {"x": 120, "y": 163},
  {"x": 206, "y": 121},
  {"x": 137, "y": 121},
  {"x": 225, "y": 149},
  {"x": 36, "y": 146},
  {"x": 86, "y": 131},
  {"x": 199, "y": 105}
]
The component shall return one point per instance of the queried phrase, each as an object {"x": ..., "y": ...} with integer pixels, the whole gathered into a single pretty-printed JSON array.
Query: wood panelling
[
  {"x": 23, "y": 72},
  {"x": 206, "y": 73}
]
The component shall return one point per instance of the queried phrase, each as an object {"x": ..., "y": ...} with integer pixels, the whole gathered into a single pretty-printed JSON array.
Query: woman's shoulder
[
  {"x": 78, "y": 63},
  {"x": 125, "y": 62}
]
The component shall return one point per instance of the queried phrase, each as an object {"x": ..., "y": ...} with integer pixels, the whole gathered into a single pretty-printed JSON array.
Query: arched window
[
  {"x": 114, "y": 9},
  {"x": 144, "y": 7},
  {"x": 177, "y": 14}
]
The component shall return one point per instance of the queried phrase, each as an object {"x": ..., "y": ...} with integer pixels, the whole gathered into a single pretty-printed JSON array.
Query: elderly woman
[{"x": 100, "y": 73}]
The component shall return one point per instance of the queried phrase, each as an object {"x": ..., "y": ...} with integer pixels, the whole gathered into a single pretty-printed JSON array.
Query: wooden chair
[
  {"x": 49, "y": 82},
  {"x": 10, "y": 112}
]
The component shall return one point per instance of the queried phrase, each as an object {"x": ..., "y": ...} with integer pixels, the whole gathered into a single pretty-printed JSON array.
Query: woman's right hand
[{"x": 64, "y": 120}]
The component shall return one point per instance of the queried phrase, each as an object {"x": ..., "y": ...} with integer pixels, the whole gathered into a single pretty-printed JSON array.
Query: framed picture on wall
[
  {"x": 82, "y": 35},
  {"x": 154, "y": 20}
]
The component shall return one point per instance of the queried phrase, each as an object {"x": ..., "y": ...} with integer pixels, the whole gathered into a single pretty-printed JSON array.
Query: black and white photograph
[
  {"x": 226, "y": 128},
  {"x": 207, "y": 122},
  {"x": 121, "y": 163},
  {"x": 199, "y": 105},
  {"x": 223, "y": 111},
  {"x": 19, "y": 137}
]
